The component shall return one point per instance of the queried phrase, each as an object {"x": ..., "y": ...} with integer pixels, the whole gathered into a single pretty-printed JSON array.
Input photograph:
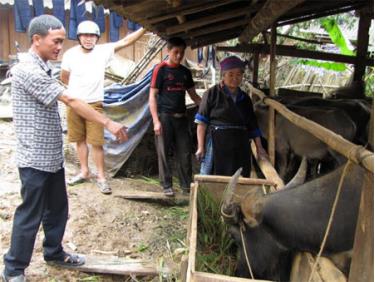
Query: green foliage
[
  {"x": 331, "y": 26},
  {"x": 215, "y": 246},
  {"x": 319, "y": 64},
  {"x": 336, "y": 35},
  {"x": 369, "y": 82},
  {"x": 142, "y": 247}
]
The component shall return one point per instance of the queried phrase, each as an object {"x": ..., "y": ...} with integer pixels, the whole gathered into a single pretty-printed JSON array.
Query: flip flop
[
  {"x": 67, "y": 261},
  {"x": 104, "y": 187},
  {"x": 78, "y": 179},
  {"x": 169, "y": 192},
  {"x": 19, "y": 278}
]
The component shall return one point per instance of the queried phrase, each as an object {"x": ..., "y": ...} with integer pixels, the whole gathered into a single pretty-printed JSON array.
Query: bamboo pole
[
  {"x": 357, "y": 154},
  {"x": 271, "y": 111}
]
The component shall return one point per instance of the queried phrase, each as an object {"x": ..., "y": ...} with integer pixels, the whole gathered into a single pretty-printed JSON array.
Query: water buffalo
[
  {"x": 292, "y": 140},
  {"x": 293, "y": 220},
  {"x": 357, "y": 109}
]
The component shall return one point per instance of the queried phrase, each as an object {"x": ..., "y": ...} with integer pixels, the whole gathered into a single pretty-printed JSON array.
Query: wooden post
[
  {"x": 362, "y": 267},
  {"x": 256, "y": 69},
  {"x": 362, "y": 44},
  {"x": 271, "y": 111}
]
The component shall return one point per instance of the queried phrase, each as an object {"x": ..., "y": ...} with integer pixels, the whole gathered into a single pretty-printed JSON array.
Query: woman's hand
[{"x": 199, "y": 154}]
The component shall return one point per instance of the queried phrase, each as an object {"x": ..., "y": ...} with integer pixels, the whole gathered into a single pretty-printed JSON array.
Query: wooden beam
[
  {"x": 217, "y": 28},
  {"x": 135, "y": 6},
  {"x": 206, "y": 20},
  {"x": 267, "y": 15},
  {"x": 256, "y": 68},
  {"x": 186, "y": 10},
  {"x": 362, "y": 266},
  {"x": 226, "y": 179},
  {"x": 362, "y": 44},
  {"x": 355, "y": 153},
  {"x": 271, "y": 111},
  {"x": 309, "y": 16},
  {"x": 319, "y": 42},
  {"x": 291, "y": 51},
  {"x": 177, "y": 4},
  {"x": 217, "y": 37}
]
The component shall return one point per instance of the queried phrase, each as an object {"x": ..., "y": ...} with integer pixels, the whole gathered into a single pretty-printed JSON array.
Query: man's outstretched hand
[{"x": 117, "y": 129}]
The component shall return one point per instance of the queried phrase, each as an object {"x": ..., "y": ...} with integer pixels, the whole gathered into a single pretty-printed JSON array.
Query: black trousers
[
  {"x": 175, "y": 134},
  {"x": 44, "y": 199},
  {"x": 231, "y": 150}
]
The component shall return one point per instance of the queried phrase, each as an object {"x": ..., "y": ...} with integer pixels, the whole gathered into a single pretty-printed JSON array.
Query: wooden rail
[
  {"x": 225, "y": 179},
  {"x": 357, "y": 154}
]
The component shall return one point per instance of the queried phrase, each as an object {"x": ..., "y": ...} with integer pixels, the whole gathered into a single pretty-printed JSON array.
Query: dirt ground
[{"x": 101, "y": 225}]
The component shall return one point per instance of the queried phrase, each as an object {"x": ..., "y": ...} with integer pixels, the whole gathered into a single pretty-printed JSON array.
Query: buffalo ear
[{"x": 252, "y": 207}]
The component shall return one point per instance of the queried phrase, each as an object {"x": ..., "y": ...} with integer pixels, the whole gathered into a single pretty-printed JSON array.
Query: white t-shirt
[{"x": 86, "y": 80}]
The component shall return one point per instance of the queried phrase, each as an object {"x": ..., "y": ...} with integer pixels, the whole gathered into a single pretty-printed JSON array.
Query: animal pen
[{"x": 202, "y": 23}]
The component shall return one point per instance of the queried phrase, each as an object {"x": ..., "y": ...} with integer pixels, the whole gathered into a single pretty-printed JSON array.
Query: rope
[
  {"x": 348, "y": 163},
  {"x": 242, "y": 229}
]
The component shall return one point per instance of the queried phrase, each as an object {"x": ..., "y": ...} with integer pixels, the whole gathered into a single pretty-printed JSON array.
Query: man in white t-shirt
[{"x": 82, "y": 69}]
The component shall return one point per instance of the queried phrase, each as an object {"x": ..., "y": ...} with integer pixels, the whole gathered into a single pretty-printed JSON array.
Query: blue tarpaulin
[{"x": 129, "y": 106}]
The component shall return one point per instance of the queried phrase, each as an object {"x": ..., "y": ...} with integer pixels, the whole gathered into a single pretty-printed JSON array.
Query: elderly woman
[{"x": 226, "y": 117}]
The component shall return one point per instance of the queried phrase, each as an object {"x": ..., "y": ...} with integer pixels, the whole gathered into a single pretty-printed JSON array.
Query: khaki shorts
[{"x": 80, "y": 129}]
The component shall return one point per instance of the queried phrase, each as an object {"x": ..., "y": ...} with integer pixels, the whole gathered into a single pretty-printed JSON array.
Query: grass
[{"x": 215, "y": 252}]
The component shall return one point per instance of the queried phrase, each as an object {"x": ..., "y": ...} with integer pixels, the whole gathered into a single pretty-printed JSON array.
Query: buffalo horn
[
  {"x": 300, "y": 176},
  {"x": 227, "y": 205}
]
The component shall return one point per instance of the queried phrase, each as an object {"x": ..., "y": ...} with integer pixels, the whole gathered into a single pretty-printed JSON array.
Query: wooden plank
[
  {"x": 214, "y": 38},
  {"x": 4, "y": 34},
  {"x": 268, "y": 14},
  {"x": 362, "y": 266},
  {"x": 185, "y": 260},
  {"x": 303, "y": 17},
  {"x": 193, "y": 234},
  {"x": 217, "y": 28},
  {"x": 206, "y": 20},
  {"x": 210, "y": 277},
  {"x": 291, "y": 51},
  {"x": 154, "y": 196},
  {"x": 355, "y": 153},
  {"x": 362, "y": 44},
  {"x": 121, "y": 266},
  {"x": 226, "y": 179},
  {"x": 268, "y": 170},
  {"x": 187, "y": 10}
]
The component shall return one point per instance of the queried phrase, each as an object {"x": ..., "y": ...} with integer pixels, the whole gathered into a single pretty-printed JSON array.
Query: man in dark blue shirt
[{"x": 170, "y": 81}]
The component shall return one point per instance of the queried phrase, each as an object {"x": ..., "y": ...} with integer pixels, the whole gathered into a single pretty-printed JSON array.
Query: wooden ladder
[{"x": 155, "y": 47}]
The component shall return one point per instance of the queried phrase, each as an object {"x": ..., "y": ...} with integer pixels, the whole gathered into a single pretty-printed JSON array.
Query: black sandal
[{"x": 68, "y": 261}]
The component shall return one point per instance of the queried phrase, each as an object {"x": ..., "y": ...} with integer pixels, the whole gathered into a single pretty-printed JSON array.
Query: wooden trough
[{"x": 215, "y": 185}]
